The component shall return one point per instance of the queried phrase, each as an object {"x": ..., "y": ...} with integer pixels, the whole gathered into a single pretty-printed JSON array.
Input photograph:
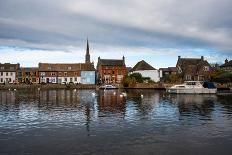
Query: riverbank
[
  {"x": 158, "y": 86},
  {"x": 47, "y": 86}
]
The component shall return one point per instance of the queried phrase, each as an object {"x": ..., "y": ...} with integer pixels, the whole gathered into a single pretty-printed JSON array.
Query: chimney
[
  {"x": 226, "y": 61},
  {"x": 202, "y": 58},
  {"x": 179, "y": 57},
  {"x": 123, "y": 58}
]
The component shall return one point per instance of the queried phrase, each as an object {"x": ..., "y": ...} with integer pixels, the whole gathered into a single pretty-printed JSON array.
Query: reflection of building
[
  {"x": 68, "y": 73},
  {"x": 110, "y": 70},
  {"x": 28, "y": 75},
  {"x": 8, "y": 73},
  {"x": 193, "y": 69},
  {"x": 227, "y": 66},
  {"x": 146, "y": 70},
  {"x": 110, "y": 100},
  {"x": 202, "y": 104}
]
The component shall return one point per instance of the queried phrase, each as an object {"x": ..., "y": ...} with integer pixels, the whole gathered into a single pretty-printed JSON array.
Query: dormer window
[
  {"x": 49, "y": 67},
  {"x": 69, "y": 67},
  {"x": 2, "y": 67}
]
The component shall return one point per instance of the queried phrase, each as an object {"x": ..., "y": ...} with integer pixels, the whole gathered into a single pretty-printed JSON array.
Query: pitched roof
[
  {"x": 142, "y": 65},
  {"x": 192, "y": 65},
  {"x": 111, "y": 62},
  {"x": 65, "y": 67},
  {"x": 227, "y": 64},
  {"x": 9, "y": 67},
  {"x": 169, "y": 69}
]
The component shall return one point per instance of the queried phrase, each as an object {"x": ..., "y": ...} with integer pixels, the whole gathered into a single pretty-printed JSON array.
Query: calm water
[{"x": 81, "y": 122}]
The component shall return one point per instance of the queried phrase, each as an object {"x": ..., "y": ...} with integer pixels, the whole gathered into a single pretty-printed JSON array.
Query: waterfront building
[
  {"x": 146, "y": 70},
  {"x": 193, "y": 68},
  {"x": 227, "y": 66},
  {"x": 28, "y": 75},
  {"x": 111, "y": 70},
  {"x": 8, "y": 73},
  {"x": 164, "y": 72},
  {"x": 63, "y": 73}
]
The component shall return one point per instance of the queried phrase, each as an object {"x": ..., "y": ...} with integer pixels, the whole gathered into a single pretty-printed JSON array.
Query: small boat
[
  {"x": 108, "y": 87},
  {"x": 193, "y": 87}
]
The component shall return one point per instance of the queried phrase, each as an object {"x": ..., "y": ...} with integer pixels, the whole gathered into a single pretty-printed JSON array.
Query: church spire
[{"x": 87, "y": 55}]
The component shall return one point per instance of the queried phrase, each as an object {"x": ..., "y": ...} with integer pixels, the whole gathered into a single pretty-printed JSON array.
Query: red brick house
[{"x": 111, "y": 70}]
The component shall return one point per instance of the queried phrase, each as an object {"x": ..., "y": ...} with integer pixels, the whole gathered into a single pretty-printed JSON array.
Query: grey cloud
[{"x": 169, "y": 24}]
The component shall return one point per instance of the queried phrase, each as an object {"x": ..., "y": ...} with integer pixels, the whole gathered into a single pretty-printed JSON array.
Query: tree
[{"x": 138, "y": 77}]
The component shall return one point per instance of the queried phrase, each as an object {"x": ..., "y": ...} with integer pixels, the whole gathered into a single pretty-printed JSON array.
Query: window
[
  {"x": 6, "y": 73},
  {"x": 1, "y": 73},
  {"x": 11, "y": 74},
  {"x": 69, "y": 67},
  {"x": 65, "y": 79},
  {"x": 42, "y": 73},
  {"x": 2, "y": 67},
  {"x": 75, "y": 79},
  {"x": 9, "y": 79},
  {"x": 188, "y": 77},
  {"x": 1, "y": 79},
  {"x": 65, "y": 73},
  {"x": 53, "y": 74},
  {"x": 11, "y": 68},
  {"x": 49, "y": 67},
  {"x": 206, "y": 68}
]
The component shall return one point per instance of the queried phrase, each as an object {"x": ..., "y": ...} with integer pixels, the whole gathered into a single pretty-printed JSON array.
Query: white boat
[
  {"x": 108, "y": 87},
  {"x": 193, "y": 87}
]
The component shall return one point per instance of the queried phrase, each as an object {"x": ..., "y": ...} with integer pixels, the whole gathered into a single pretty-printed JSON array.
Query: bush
[{"x": 138, "y": 77}]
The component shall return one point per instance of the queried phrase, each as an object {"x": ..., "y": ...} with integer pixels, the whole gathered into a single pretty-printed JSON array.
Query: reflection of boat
[
  {"x": 108, "y": 87},
  {"x": 193, "y": 87}
]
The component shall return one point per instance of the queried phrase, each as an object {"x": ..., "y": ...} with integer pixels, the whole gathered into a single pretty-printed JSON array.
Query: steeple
[{"x": 87, "y": 55}]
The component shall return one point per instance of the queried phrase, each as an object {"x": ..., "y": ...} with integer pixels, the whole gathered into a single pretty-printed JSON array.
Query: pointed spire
[
  {"x": 87, "y": 55},
  {"x": 87, "y": 48}
]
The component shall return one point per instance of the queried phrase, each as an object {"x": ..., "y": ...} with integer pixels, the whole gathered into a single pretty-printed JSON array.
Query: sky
[{"x": 157, "y": 31}]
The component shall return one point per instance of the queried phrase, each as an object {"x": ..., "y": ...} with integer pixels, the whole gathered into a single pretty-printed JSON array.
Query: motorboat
[
  {"x": 193, "y": 87},
  {"x": 108, "y": 86}
]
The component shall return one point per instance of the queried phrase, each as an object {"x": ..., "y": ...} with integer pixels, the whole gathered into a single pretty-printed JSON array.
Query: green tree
[{"x": 138, "y": 77}]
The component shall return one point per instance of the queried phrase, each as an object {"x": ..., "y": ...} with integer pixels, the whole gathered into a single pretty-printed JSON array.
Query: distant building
[
  {"x": 8, "y": 73},
  {"x": 68, "y": 73},
  {"x": 193, "y": 68},
  {"x": 146, "y": 70},
  {"x": 167, "y": 71},
  {"x": 227, "y": 66},
  {"x": 111, "y": 70},
  {"x": 28, "y": 75}
]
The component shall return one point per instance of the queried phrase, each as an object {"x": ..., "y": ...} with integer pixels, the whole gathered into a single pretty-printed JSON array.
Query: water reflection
[{"x": 144, "y": 118}]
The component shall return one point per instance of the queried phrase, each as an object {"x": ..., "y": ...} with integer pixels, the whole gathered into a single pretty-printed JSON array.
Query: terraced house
[
  {"x": 67, "y": 73},
  {"x": 64, "y": 73},
  {"x": 28, "y": 75},
  {"x": 8, "y": 73}
]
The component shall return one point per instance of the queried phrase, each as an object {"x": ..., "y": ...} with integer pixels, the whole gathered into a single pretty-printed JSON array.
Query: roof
[
  {"x": 169, "y": 69},
  {"x": 142, "y": 65},
  {"x": 227, "y": 64},
  {"x": 66, "y": 67},
  {"x": 8, "y": 67},
  {"x": 111, "y": 62},
  {"x": 192, "y": 65}
]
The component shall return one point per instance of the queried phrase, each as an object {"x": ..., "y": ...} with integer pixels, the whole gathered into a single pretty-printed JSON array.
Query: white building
[
  {"x": 8, "y": 73},
  {"x": 146, "y": 70}
]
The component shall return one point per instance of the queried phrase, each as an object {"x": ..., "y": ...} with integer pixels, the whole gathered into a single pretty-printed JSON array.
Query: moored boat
[
  {"x": 108, "y": 86},
  {"x": 193, "y": 87}
]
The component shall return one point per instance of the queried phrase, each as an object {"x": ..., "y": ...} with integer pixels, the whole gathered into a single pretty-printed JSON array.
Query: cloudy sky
[{"x": 33, "y": 31}]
